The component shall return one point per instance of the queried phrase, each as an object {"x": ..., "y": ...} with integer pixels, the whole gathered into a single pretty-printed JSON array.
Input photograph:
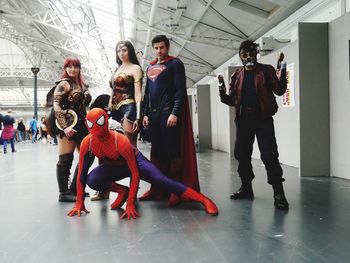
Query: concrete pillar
[
  {"x": 204, "y": 117},
  {"x": 314, "y": 99}
]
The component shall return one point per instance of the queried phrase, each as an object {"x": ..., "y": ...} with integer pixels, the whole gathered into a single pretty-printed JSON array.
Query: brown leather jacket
[{"x": 266, "y": 83}]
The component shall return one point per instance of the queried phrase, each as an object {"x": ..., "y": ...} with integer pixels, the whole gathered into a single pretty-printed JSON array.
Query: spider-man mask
[{"x": 97, "y": 122}]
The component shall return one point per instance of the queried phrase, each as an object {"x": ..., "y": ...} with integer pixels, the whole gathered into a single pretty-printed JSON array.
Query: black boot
[
  {"x": 62, "y": 173},
  {"x": 73, "y": 184},
  {"x": 280, "y": 199},
  {"x": 244, "y": 192},
  {"x": 66, "y": 197}
]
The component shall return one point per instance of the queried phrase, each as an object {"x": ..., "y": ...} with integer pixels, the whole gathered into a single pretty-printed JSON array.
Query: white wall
[
  {"x": 286, "y": 120},
  {"x": 204, "y": 119},
  {"x": 194, "y": 112},
  {"x": 314, "y": 99},
  {"x": 220, "y": 125},
  {"x": 339, "y": 59}
]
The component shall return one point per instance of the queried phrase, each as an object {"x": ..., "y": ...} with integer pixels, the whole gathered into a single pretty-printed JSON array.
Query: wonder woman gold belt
[{"x": 123, "y": 102}]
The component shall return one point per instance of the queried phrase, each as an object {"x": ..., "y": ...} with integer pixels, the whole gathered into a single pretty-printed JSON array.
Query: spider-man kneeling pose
[{"x": 119, "y": 160}]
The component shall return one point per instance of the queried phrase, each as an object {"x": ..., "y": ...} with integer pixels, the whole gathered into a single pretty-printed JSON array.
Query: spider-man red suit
[{"x": 119, "y": 160}]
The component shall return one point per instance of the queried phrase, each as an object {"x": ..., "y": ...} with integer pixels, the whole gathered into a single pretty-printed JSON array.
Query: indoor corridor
[{"x": 35, "y": 227}]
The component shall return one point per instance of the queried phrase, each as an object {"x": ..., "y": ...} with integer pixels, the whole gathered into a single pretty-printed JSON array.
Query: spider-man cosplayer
[{"x": 120, "y": 159}]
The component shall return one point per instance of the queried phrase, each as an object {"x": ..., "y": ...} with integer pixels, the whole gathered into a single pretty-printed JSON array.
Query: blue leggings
[
  {"x": 101, "y": 178},
  {"x": 11, "y": 142}
]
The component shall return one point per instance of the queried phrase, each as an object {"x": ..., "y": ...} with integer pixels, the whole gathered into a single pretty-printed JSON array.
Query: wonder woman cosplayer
[
  {"x": 125, "y": 99},
  {"x": 126, "y": 84}
]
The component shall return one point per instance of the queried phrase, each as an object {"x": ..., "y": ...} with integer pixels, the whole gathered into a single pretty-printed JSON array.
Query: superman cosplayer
[
  {"x": 165, "y": 99},
  {"x": 120, "y": 160}
]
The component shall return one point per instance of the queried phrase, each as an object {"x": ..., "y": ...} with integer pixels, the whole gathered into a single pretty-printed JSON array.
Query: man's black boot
[
  {"x": 244, "y": 192},
  {"x": 281, "y": 202}
]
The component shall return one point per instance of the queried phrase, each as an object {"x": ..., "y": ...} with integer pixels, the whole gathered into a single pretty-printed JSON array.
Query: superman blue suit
[{"x": 173, "y": 148}]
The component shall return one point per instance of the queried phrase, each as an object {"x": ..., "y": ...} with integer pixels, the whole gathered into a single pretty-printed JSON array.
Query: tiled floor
[{"x": 34, "y": 226}]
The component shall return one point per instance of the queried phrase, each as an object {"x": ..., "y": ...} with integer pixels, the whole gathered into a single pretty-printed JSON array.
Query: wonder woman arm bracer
[{"x": 138, "y": 92}]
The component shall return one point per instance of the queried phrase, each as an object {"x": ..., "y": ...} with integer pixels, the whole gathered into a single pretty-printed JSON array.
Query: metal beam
[
  {"x": 120, "y": 18},
  {"x": 195, "y": 24},
  {"x": 249, "y": 9},
  {"x": 21, "y": 88},
  {"x": 185, "y": 39},
  {"x": 97, "y": 34},
  {"x": 43, "y": 20},
  {"x": 17, "y": 73},
  {"x": 195, "y": 55},
  {"x": 215, "y": 41},
  {"x": 181, "y": 5},
  {"x": 210, "y": 27},
  {"x": 149, "y": 30},
  {"x": 228, "y": 22}
]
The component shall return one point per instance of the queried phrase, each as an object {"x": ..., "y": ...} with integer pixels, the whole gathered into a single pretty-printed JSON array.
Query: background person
[
  {"x": 33, "y": 125},
  {"x": 8, "y": 132},
  {"x": 21, "y": 129}
]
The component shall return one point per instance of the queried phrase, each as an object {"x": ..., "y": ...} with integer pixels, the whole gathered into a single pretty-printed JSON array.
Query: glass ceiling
[
  {"x": 97, "y": 31},
  {"x": 89, "y": 29}
]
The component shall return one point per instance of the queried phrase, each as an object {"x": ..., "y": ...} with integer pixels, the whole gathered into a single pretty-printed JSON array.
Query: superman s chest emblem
[{"x": 155, "y": 71}]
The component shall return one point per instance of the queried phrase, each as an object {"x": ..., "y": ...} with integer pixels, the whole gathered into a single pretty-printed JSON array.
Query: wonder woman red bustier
[{"x": 123, "y": 90}]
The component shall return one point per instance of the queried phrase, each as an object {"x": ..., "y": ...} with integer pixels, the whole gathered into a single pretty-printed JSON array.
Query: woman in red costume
[{"x": 114, "y": 151}]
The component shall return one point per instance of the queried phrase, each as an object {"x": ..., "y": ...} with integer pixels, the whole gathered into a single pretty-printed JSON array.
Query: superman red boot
[{"x": 208, "y": 204}]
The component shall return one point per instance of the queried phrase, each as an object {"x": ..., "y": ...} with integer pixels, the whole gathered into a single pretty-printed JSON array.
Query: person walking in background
[
  {"x": 1, "y": 141},
  {"x": 8, "y": 132},
  {"x": 54, "y": 140},
  {"x": 33, "y": 128},
  {"x": 21, "y": 129},
  {"x": 43, "y": 130},
  {"x": 251, "y": 92},
  {"x": 1, "y": 118}
]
